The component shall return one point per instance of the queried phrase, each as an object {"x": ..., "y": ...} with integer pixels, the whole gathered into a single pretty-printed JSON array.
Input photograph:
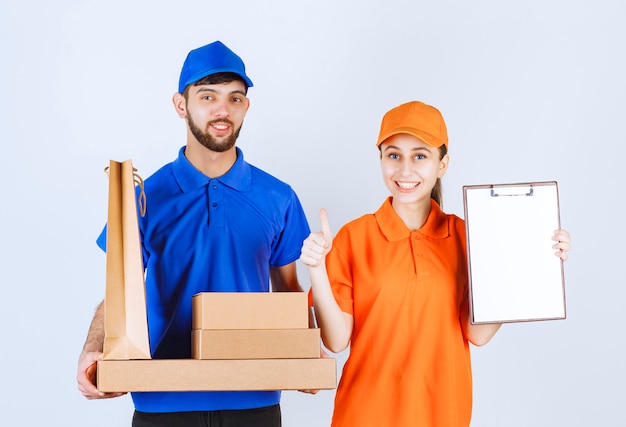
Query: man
[{"x": 213, "y": 223}]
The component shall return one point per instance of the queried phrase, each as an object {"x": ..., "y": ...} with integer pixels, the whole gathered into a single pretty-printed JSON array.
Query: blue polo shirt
[{"x": 202, "y": 234}]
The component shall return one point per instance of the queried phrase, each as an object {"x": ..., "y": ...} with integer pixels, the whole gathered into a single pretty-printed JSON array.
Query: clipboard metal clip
[{"x": 512, "y": 191}]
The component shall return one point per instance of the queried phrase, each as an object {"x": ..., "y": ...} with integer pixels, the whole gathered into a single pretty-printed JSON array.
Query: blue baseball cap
[{"x": 211, "y": 59}]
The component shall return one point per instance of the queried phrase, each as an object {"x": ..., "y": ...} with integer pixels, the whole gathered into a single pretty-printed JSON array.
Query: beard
[{"x": 211, "y": 142}]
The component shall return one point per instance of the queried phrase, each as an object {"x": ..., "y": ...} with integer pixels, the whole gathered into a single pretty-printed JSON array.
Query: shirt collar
[
  {"x": 189, "y": 178},
  {"x": 436, "y": 225}
]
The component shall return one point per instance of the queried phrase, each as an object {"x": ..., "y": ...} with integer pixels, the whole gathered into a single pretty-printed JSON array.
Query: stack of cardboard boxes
[{"x": 240, "y": 341}]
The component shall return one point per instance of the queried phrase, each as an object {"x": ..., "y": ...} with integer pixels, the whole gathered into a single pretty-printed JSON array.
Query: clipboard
[{"x": 513, "y": 273}]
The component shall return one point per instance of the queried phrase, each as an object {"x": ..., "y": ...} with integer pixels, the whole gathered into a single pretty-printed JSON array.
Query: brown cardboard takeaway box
[
  {"x": 255, "y": 343},
  {"x": 281, "y": 352},
  {"x": 250, "y": 310},
  {"x": 210, "y": 375}
]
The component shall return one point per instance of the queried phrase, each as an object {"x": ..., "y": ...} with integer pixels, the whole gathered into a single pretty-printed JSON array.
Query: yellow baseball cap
[{"x": 415, "y": 118}]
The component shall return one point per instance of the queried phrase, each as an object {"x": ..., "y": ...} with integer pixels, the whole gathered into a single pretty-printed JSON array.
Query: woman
[{"x": 394, "y": 287}]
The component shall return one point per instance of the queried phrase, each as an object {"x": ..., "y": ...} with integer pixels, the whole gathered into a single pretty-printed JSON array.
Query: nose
[
  {"x": 221, "y": 109},
  {"x": 405, "y": 167}
]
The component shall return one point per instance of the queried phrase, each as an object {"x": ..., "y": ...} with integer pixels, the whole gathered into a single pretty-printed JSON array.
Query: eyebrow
[
  {"x": 210, "y": 89},
  {"x": 427, "y": 149}
]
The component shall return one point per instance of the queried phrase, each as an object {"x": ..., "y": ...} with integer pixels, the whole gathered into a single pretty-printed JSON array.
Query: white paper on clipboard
[{"x": 514, "y": 275}]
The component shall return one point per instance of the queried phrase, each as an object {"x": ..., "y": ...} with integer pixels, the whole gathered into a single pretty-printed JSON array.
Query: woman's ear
[
  {"x": 180, "y": 105},
  {"x": 443, "y": 166}
]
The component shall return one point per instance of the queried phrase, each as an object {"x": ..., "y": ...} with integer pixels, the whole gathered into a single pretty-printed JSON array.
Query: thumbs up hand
[{"x": 317, "y": 245}]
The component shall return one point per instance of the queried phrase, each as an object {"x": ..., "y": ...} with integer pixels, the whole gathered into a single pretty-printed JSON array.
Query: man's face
[{"x": 215, "y": 113}]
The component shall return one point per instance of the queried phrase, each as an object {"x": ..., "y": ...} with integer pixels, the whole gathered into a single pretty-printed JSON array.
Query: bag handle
[{"x": 141, "y": 200}]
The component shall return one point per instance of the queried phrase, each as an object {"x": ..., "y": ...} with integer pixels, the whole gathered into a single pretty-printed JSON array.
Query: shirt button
[
  {"x": 214, "y": 204},
  {"x": 214, "y": 185}
]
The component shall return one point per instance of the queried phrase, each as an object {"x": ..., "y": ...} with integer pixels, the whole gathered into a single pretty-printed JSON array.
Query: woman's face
[{"x": 410, "y": 168}]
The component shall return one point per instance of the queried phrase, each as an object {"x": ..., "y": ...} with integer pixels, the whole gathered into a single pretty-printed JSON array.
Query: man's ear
[
  {"x": 443, "y": 166},
  {"x": 180, "y": 105}
]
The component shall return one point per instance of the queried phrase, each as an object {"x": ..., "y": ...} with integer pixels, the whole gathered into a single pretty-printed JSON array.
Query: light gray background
[{"x": 531, "y": 90}]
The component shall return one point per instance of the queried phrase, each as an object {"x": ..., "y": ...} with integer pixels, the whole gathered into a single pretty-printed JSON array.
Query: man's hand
[
  {"x": 86, "y": 376},
  {"x": 322, "y": 354}
]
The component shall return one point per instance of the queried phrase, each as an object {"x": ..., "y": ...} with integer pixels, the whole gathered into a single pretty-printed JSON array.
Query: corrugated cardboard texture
[
  {"x": 250, "y": 310},
  {"x": 255, "y": 343},
  {"x": 214, "y": 375}
]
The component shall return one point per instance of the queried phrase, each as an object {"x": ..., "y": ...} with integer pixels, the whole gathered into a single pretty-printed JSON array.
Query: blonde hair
[{"x": 437, "y": 192}]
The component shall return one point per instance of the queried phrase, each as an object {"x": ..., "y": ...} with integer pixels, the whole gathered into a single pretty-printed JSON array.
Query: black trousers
[{"x": 258, "y": 417}]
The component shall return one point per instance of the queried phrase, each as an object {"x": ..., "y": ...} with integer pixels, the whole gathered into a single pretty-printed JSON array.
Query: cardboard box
[
  {"x": 250, "y": 310},
  {"x": 255, "y": 343},
  {"x": 214, "y": 375}
]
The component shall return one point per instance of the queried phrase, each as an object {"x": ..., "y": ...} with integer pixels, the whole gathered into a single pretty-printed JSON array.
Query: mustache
[{"x": 228, "y": 122}]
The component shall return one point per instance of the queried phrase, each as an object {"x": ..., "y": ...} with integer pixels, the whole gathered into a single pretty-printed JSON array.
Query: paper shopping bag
[{"x": 125, "y": 320}]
